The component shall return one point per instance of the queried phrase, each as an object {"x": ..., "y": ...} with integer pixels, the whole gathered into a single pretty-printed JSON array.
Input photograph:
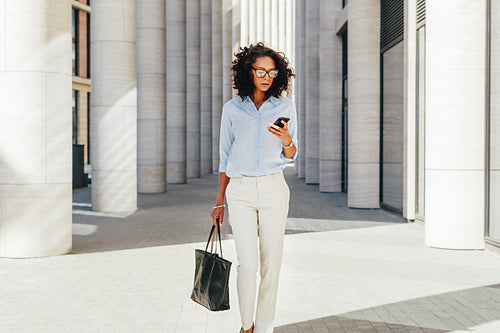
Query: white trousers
[{"x": 258, "y": 208}]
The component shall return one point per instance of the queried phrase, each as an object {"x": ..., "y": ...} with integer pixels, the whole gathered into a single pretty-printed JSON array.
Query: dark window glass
[
  {"x": 345, "y": 105},
  {"x": 75, "y": 116},
  {"x": 74, "y": 34},
  {"x": 88, "y": 45},
  {"x": 89, "y": 122}
]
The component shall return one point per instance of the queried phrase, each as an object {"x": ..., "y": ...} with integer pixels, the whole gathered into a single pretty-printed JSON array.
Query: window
[
  {"x": 75, "y": 116},
  {"x": 88, "y": 46},
  {"x": 345, "y": 106},
  {"x": 74, "y": 34},
  {"x": 89, "y": 122}
]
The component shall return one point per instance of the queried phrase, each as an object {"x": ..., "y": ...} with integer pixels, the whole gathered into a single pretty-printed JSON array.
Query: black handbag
[{"x": 211, "y": 277}]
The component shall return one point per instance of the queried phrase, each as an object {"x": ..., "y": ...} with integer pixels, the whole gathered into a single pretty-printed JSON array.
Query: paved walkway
[{"x": 344, "y": 270}]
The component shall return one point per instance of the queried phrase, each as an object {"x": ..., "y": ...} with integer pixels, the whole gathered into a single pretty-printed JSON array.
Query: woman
[{"x": 253, "y": 153}]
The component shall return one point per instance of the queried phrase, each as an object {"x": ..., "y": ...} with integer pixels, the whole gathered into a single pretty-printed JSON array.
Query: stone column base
[{"x": 35, "y": 220}]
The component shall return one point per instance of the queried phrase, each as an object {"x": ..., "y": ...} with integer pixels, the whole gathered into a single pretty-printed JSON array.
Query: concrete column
[
  {"x": 35, "y": 126},
  {"x": 176, "y": 90},
  {"x": 393, "y": 119},
  {"x": 236, "y": 36},
  {"x": 454, "y": 124},
  {"x": 330, "y": 99},
  {"x": 301, "y": 81},
  {"x": 296, "y": 90},
  {"x": 267, "y": 22},
  {"x": 206, "y": 86},
  {"x": 289, "y": 31},
  {"x": 244, "y": 39},
  {"x": 114, "y": 106},
  {"x": 364, "y": 103},
  {"x": 227, "y": 49},
  {"x": 275, "y": 24},
  {"x": 259, "y": 20},
  {"x": 252, "y": 21},
  {"x": 312, "y": 91},
  {"x": 193, "y": 111},
  {"x": 282, "y": 23},
  {"x": 289, "y": 39},
  {"x": 296, "y": 66},
  {"x": 494, "y": 167},
  {"x": 151, "y": 175},
  {"x": 217, "y": 69},
  {"x": 409, "y": 121}
]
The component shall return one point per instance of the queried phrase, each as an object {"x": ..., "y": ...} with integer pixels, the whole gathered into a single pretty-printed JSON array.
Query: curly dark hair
[{"x": 242, "y": 66}]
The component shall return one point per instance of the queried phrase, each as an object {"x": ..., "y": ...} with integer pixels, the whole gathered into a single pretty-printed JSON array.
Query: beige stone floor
[{"x": 344, "y": 270}]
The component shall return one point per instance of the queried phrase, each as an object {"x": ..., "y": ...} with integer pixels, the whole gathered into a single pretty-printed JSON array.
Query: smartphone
[{"x": 279, "y": 123}]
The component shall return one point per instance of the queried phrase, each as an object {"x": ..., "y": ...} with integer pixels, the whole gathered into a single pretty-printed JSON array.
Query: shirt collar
[
  {"x": 271, "y": 99},
  {"x": 274, "y": 100}
]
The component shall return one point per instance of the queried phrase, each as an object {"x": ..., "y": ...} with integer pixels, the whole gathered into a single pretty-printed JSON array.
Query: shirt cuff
[
  {"x": 289, "y": 159},
  {"x": 223, "y": 166}
]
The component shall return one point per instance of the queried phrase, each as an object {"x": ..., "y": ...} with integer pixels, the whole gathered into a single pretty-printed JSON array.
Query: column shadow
[
  {"x": 447, "y": 312},
  {"x": 182, "y": 215}
]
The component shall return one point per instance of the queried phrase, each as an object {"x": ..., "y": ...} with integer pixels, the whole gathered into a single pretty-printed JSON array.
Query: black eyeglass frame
[{"x": 266, "y": 72}]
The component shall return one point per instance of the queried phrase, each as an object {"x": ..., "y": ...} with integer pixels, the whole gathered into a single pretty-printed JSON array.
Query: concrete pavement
[{"x": 344, "y": 270}]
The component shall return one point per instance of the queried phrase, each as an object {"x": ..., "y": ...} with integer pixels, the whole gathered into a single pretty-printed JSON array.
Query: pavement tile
[{"x": 366, "y": 271}]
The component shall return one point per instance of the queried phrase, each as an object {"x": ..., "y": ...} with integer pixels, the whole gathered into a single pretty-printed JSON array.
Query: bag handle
[
  {"x": 212, "y": 237},
  {"x": 220, "y": 242}
]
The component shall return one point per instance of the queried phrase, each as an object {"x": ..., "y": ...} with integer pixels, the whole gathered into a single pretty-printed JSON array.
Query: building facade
[
  {"x": 146, "y": 109},
  {"x": 398, "y": 105},
  {"x": 80, "y": 36},
  {"x": 407, "y": 110}
]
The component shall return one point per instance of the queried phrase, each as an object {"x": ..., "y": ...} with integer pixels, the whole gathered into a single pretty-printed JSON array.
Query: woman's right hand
[
  {"x": 217, "y": 214},
  {"x": 218, "y": 210}
]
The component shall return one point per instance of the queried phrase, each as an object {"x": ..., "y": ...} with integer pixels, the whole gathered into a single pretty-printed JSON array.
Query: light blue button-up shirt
[{"x": 247, "y": 148}]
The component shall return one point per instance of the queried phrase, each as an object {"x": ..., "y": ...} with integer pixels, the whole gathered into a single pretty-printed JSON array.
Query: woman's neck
[{"x": 258, "y": 98}]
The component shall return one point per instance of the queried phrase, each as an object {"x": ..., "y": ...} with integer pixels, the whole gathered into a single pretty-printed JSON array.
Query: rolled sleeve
[
  {"x": 292, "y": 128},
  {"x": 226, "y": 139}
]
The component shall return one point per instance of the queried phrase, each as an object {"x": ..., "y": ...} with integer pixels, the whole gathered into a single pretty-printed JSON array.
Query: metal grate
[
  {"x": 420, "y": 13},
  {"x": 391, "y": 23}
]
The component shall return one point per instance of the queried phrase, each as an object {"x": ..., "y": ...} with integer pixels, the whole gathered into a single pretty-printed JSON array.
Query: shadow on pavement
[
  {"x": 182, "y": 215},
  {"x": 457, "y": 310}
]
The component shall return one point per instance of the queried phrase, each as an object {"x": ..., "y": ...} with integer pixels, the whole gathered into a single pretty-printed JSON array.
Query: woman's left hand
[{"x": 281, "y": 133}]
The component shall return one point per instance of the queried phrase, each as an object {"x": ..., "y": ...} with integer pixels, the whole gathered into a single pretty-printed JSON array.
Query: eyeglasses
[{"x": 260, "y": 73}]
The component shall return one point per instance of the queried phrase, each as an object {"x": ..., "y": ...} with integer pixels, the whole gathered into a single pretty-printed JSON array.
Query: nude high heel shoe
[{"x": 241, "y": 330}]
